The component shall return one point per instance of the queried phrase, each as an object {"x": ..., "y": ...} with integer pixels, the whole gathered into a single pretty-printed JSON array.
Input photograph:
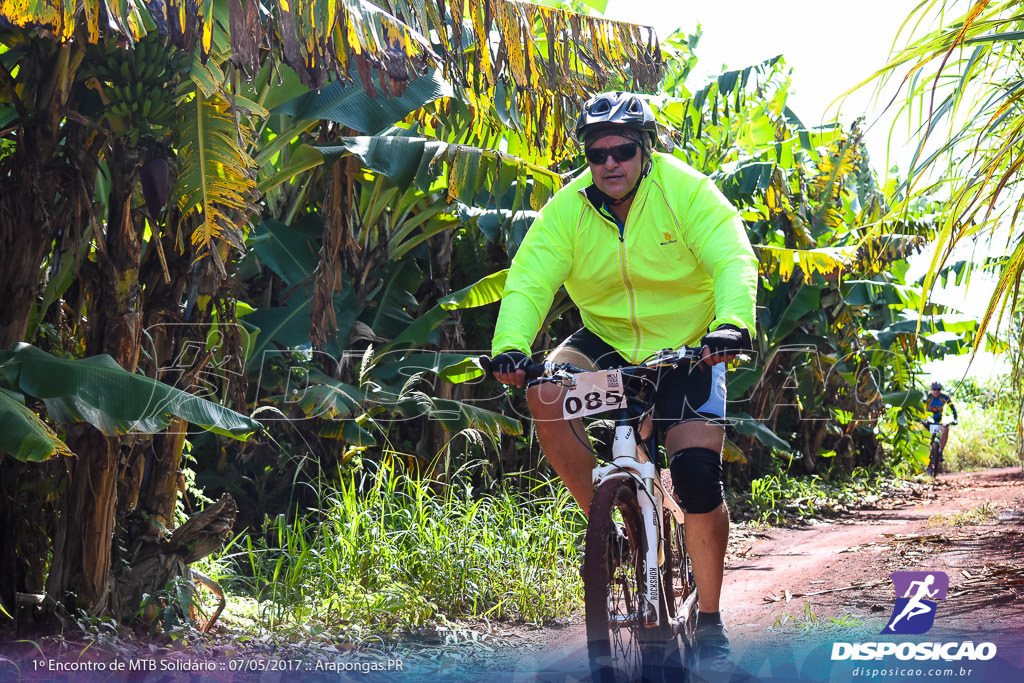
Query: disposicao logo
[{"x": 916, "y": 596}]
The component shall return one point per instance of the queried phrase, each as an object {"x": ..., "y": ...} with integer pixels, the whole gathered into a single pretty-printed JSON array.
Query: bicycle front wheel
[
  {"x": 935, "y": 459},
  {"x": 612, "y": 583},
  {"x": 620, "y": 645}
]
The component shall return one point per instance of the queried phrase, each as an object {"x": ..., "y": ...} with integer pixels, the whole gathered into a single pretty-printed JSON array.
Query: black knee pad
[{"x": 697, "y": 479}]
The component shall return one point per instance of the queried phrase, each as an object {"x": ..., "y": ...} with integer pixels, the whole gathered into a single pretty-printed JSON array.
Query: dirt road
[{"x": 969, "y": 525}]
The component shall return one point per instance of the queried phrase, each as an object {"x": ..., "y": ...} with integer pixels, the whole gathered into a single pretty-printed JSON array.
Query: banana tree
[
  {"x": 127, "y": 218},
  {"x": 99, "y": 392}
]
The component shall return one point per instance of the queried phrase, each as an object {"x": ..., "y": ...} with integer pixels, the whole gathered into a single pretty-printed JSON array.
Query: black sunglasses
[{"x": 599, "y": 155}]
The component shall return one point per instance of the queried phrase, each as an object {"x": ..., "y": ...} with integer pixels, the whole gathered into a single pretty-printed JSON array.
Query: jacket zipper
[
  {"x": 625, "y": 277},
  {"x": 632, "y": 301}
]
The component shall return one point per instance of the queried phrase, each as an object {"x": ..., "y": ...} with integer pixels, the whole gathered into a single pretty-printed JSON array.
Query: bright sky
[{"x": 831, "y": 47}]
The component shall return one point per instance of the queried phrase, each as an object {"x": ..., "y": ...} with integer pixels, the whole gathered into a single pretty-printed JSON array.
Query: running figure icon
[{"x": 915, "y": 610}]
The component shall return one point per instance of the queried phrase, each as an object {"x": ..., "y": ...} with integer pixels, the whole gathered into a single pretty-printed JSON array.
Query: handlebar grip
[{"x": 533, "y": 370}]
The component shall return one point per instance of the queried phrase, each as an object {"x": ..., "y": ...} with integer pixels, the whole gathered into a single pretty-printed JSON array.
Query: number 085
[{"x": 592, "y": 401}]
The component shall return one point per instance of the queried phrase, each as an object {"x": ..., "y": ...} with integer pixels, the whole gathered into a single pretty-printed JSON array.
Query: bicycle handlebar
[{"x": 662, "y": 358}]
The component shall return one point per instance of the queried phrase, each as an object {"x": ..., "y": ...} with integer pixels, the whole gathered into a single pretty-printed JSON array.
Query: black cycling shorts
[{"x": 687, "y": 392}]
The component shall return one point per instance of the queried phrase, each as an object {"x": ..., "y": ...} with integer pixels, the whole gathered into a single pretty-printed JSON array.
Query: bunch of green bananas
[{"x": 138, "y": 84}]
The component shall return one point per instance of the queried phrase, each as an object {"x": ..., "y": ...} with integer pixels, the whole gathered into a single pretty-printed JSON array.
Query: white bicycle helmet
[{"x": 616, "y": 108}]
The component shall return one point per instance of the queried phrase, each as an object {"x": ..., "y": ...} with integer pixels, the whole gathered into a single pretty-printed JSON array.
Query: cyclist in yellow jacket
[{"x": 654, "y": 257}]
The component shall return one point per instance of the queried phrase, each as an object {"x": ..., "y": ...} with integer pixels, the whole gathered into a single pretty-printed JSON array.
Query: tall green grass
[
  {"x": 387, "y": 551},
  {"x": 986, "y": 433}
]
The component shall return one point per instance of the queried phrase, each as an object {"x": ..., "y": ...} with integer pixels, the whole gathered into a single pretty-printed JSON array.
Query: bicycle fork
[{"x": 624, "y": 450}]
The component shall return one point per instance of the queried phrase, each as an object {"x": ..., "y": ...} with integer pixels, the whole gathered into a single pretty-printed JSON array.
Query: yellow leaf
[
  {"x": 732, "y": 453},
  {"x": 207, "y": 36},
  {"x": 483, "y": 48},
  {"x": 509, "y": 27}
]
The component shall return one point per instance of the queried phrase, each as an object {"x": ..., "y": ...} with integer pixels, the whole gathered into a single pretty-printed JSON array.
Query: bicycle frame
[{"x": 936, "y": 429}]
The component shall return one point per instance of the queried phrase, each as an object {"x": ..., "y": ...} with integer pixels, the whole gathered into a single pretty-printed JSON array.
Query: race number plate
[{"x": 595, "y": 392}]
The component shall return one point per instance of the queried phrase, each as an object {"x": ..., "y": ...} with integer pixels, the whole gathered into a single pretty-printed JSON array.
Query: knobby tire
[
  {"x": 620, "y": 648},
  {"x": 935, "y": 458}
]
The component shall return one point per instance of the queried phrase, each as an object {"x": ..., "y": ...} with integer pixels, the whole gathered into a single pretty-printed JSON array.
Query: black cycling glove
[
  {"x": 509, "y": 361},
  {"x": 727, "y": 339}
]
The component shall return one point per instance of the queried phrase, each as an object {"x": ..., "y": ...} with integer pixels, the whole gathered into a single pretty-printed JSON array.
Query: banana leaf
[
  {"x": 487, "y": 290},
  {"x": 288, "y": 326},
  {"x": 456, "y": 415},
  {"x": 484, "y": 291},
  {"x": 99, "y": 391},
  {"x": 744, "y": 424},
  {"x": 902, "y": 399},
  {"x": 351, "y": 106},
  {"x": 291, "y": 254},
  {"x": 806, "y": 300},
  {"x": 398, "y": 366},
  {"x": 217, "y": 180},
  {"x": 24, "y": 435},
  {"x": 475, "y": 175}
]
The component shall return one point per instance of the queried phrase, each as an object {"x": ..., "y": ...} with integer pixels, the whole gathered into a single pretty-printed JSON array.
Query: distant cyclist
[{"x": 935, "y": 403}]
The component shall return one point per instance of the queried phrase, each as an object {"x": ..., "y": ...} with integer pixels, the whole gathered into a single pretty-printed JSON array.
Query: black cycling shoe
[{"x": 712, "y": 654}]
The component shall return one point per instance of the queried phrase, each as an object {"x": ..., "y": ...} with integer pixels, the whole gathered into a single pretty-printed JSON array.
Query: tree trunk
[
  {"x": 46, "y": 188},
  {"x": 80, "y": 574},
  {"x": 85, "y": 533},
  {"x": 42, "y": 190},
  {"x": 160, "y": 496},
  {"x": 156, "y": 561}
]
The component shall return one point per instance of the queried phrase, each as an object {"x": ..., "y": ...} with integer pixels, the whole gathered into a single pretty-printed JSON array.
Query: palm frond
[{"x": 969, "y": 141}]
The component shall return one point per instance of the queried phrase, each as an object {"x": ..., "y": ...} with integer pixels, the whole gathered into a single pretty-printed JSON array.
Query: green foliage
[
  {"x": 983, "y": 514},
  {"x": 101, "y": 630},
  {"x": 25, "y": 435},
  {"x": 808, "y": 621},
  {"x": 390, "y": 551},
  {"x": 353, "y": 107},
  {"x": 986, "y": 433},
  {"x": 784, "y": 497},
  {"x": 170, "y": 611}
]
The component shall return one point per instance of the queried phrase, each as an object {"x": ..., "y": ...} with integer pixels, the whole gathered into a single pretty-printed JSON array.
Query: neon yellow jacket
[{"x": 683, "y": 266}]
